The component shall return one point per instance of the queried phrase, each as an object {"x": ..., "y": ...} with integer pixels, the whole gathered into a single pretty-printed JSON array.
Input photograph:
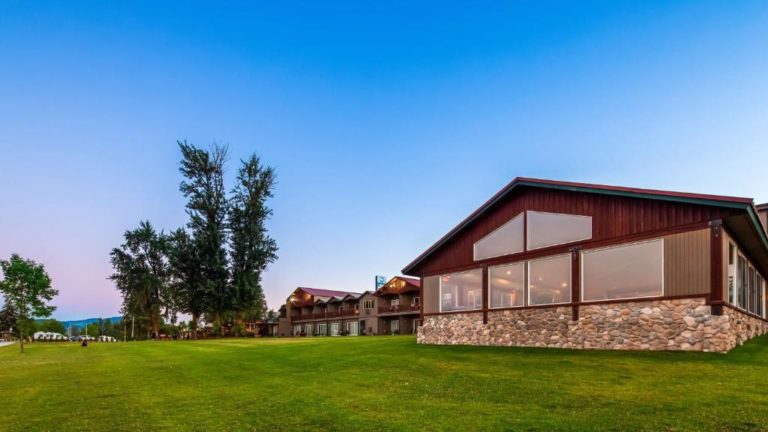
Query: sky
[{"x": 387, "y": 122}]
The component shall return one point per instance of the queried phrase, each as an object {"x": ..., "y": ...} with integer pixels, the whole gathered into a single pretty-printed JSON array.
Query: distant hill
[{"x": 85, "y": 322}]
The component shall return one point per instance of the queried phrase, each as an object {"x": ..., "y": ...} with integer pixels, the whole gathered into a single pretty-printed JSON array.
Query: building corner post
[
  {"x": 716, "y": 267},
  {"x": 486, "y": 292},
  {"x": 575, "y": 282}
]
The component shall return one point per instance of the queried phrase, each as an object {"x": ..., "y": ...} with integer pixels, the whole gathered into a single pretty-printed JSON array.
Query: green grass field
[{"x": 376, "y": 383}]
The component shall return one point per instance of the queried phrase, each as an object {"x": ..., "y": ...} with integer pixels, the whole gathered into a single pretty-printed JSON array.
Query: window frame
[
  {"x": 528, "y": 230},
  {"x": 396, "y": 324},
  {"x": 524, "y": 239},
  {"x": 528, "y": 279},
  {"x": 581, "y": 270},
  {"x": 742, "y": 272},
  {"x": 440, "y": 290}
]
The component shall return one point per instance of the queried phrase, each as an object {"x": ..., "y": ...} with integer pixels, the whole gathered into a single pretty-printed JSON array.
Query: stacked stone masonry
[{"x": 671, "y": 325}]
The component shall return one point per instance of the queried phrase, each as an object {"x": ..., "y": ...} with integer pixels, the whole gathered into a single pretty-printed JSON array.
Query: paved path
[{"x": 2, "y": 344}]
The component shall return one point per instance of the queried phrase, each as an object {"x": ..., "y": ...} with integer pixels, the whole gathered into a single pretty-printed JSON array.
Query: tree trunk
[
  {"x": 217, "y": 324},
  {"x": 21, "y": 341},
  {"x": 195, "y": 320}
]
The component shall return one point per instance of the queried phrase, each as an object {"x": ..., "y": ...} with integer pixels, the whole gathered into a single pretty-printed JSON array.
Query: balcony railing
[
  {"x": 349, "y": 312},
  {"x": 399, "y": 308}
]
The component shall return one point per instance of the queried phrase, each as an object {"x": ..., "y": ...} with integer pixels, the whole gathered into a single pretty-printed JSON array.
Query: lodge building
[
  {"x": 559, "y": 264},
  {"x": 394, "y": 308}
]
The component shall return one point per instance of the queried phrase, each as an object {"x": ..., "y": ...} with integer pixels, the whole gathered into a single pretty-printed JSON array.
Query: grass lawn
[{"x": 376, "y": 383}]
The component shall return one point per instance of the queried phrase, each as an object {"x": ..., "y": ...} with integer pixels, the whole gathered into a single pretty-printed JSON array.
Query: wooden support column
[
  {"x": 575, "y": 282},
  {"x": 421, "y": 298},
  {"x": 716, "y": 266},
  {"x": 485, "y": 294}
]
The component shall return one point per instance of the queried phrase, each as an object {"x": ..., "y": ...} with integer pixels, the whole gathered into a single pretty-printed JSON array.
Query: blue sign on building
[{"x": 380, "y": 281}]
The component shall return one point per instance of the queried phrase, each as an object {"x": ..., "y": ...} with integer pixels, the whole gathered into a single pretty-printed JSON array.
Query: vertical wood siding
[
  {"x": 612, "y": 217},
  {"x": 430, "y": 291},
  {"x": 687, "y": 263}
]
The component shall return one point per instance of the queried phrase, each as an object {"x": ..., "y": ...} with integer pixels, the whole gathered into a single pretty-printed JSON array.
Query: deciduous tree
[
  {"x": 187, "y": 283},
  {"x": 52, "y": 326},
  {"x": 141, "y": 273},
  {"x": 26, "y": 286}
]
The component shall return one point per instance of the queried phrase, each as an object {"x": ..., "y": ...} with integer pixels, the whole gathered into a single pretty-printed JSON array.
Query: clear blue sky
[{"x": 387, "y": 123}]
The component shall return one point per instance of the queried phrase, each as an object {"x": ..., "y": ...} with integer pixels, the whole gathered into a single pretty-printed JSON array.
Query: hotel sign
[{"x": 380, "y": 281}]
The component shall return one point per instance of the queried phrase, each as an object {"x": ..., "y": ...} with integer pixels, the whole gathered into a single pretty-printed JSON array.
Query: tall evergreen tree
[
  {"x": 203, "y": 187},
  {"x": 251, "y": 248},
  {"x": 27, "y": 287},
  {"x": 141, "y": 274},
  {"x": 8, "y": 317}
]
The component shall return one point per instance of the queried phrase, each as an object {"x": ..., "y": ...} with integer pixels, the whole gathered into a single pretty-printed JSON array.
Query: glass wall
[
  {"x": 549, "y": 229},
  {"x": 760, "y": 284},
  {"x": 741, "y": 282},
  {"x": 461, "y": 291},
  {"x": 549, "y": 280},
  {"x": 506, "y": 285},
  {"x": 505, "y": 240},
  {"x": 623, "y": 272},
  {"x": 747, "y": 292},
  {"x": 731, "y": 273}
]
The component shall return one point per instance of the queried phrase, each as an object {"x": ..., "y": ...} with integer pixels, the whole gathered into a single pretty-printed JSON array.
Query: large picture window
[
  {"x": 549, "y": 280},
  {"x": 550, "y": 229},
  {"x": 506, "y": 285},
  {"x": 751, "y": 291},
  {"x": 505, "y": 240},
  {"x": 760, "y": 296},
  {"x": 741, "y": 282},
  {"x": 461, "y": 291},
  {"x": 623, "y": 272}
]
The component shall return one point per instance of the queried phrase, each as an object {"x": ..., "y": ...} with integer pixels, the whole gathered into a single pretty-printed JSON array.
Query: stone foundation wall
[{"x": 675, "y": 325}]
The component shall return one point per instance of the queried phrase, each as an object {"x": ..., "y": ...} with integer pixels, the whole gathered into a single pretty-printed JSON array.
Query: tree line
[{"x": 212, "y": 267}]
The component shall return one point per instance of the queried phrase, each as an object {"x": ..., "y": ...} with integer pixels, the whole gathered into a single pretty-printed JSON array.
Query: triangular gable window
[
  {"x": 505, "y": 240},
  {"x": 550, "y": 229}
]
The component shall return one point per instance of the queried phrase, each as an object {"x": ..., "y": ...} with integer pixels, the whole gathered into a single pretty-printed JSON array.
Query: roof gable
[
  {"x": 520, "y": 184},
  {"x": 399, "y": 284}
]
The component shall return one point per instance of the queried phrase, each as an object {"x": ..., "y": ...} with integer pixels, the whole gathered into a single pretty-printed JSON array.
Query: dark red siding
[{"x": 612, "y": 217}]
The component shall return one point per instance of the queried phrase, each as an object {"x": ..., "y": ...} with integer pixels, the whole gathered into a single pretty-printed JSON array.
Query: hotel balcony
[{"x": 394, "y": 309}]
